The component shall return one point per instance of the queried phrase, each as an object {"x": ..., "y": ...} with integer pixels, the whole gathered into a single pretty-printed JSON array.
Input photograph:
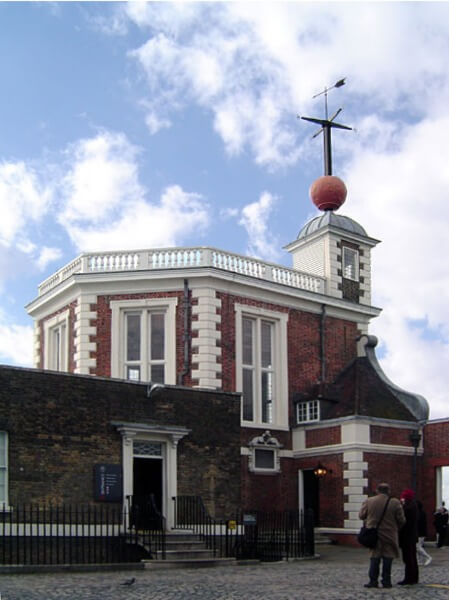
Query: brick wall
[
  {"x": 262, "y": 491},
  {"x": 390, "y": 435},
  {"x": 436, "y": 444},
  {"x": 391, "y": 468},
  {"x": 323, "y": 437},
  {"x": 59, "y": 426}
]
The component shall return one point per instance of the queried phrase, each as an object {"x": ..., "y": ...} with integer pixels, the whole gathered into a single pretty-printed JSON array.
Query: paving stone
[{"x": 338, "y": 575}]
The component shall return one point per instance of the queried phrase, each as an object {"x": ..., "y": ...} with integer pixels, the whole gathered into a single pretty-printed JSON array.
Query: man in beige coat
[{"x": 387, "y": 546}]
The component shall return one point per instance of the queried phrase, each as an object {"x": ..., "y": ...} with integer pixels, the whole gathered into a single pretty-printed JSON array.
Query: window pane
[
  {"x": 267, "y": 397},
  {"x": 57, "y": 349},
  {"x": 157, "y": 373},
  {"x": 264, "y": 459},
  {"x": 247, "y": 341},
  {"x": 147, "y": 448},
  {"x": 266, "y": 344},
  {"x": 247, "y": 395},
  {"x": 350, "y": 263},
  {"x": 133, "y": 337},
  {"x": 313, "y": 410},
  {"x": 2, "y": 486},
  {"x": 157, "y": 337},
  {"x": 133, "y": 373},
  {"x": 302, "y": 412},
  {"x": 2, "y": 449}
]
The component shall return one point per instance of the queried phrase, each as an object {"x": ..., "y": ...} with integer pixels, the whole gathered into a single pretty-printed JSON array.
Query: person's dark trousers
[
  {"x": 386, "y": 570},
  {"x": 411, "y": 563},
  {"x": 441, "y": 537}
]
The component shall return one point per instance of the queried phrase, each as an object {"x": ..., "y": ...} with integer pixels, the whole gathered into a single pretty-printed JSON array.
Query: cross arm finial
[{"x": 326, "y": 126}]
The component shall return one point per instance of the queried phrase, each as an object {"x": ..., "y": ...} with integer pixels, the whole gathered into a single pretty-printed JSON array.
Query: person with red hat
[{"x": 408, "y": 537}]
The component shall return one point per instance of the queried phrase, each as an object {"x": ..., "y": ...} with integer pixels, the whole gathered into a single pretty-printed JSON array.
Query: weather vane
[{"x": 326, "y": 126}]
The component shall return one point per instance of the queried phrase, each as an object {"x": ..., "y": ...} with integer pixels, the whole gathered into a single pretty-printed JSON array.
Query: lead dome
[{"x": 330, "y": 219}]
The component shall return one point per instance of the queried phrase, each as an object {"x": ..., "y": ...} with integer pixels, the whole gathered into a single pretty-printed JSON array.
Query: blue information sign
[{"x": 108, "y": 483}]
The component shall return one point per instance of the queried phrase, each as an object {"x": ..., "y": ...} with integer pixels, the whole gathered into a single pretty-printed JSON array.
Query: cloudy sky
[{"x": 140, "y": 125}]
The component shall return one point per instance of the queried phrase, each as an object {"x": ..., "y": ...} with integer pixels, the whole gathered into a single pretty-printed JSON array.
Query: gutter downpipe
[
  {"x": 322, "y": 343},
  {"x": 186, "y": 334}
]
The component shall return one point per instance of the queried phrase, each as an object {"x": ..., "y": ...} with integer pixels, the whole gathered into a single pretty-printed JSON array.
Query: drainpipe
[
  {"x": 322, "y": 344},
  {"x": 186, "y": 334}
]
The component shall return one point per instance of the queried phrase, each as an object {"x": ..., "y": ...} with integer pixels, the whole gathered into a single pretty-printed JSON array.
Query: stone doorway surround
[{"x": 168, "y": 437}]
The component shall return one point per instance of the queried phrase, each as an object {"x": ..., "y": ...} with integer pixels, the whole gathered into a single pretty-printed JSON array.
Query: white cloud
[
  {"x": 107, "y": 208},
  {"x": 23, "y": 199},
  {"x": 47, "y": 255},
  {"x": 402, "y": 196},
  {"x": 102, "y": 174},
  {"x": 140, "y": 224},
  {"x": 255, "y": 69},
  {"x": 255, "y": 219},
  {"x": 156, "y": 123},
  {"x": 16, "y": 343}
]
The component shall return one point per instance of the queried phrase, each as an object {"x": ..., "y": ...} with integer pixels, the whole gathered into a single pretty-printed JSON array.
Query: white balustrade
[{"x": 183, "y": 258}]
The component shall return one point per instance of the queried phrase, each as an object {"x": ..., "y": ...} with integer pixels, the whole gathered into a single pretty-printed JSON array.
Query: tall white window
[
  {"x": 56, "y": 331},
  {"x": 350, "y": 263},
  {"x": 145, "y": 355},
  {"x": 143, "y": 344},
  {"x": 258, "y": 369},
  {"x": 261, "y": 350},
  {"x": 3, "y": 468}
]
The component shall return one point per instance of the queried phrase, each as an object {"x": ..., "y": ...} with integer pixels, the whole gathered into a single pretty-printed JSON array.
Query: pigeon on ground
[{"x": 129, "y": 581}]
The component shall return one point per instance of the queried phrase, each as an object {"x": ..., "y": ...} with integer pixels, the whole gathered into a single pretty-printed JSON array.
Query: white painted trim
[
  {"x": 205, "y": 366},
  {"x": 83, "y": 331},
  {"x": 300, "y": 489},
  {"x": 169, "y": 438},
  {"x": 222, "y": 281},
  {"x": 36, "y": 345},
  {"x": 341, "y": 448}
]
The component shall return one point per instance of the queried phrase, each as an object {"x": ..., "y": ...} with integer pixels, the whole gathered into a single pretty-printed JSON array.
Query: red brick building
[{"x": 293, "y": 341}]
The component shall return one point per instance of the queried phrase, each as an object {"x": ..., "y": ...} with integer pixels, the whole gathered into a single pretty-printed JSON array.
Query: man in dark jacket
[
  {"x": 408, "y": 538},
  {"x": 387, "y": 546}
]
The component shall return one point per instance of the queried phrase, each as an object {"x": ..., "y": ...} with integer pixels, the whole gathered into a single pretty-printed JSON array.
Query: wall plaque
[{"x": 108, "y": 483}]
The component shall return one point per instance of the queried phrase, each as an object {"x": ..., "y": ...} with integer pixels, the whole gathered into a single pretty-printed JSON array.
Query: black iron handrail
[{"x": 148, "y": 524}]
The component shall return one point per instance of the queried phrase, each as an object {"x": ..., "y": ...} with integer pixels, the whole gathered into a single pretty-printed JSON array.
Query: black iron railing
[
  {"x": 276, "y": 535},
  {"x": 69, "y": 534},
  {"x": 268, "y": 536},
  {"x": 73, "y": 534}
]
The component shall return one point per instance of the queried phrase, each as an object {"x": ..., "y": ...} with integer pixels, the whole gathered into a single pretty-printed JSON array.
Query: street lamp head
[{"x": 320, "y": 471}]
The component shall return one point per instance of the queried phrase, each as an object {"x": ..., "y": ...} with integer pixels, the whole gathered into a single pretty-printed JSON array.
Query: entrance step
[
  {"x": 185, "y": 549},
  {"x": 321, "y": 538}
]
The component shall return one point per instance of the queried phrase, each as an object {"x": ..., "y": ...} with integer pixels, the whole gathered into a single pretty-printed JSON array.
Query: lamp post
[{"x": 415, "y": 438}]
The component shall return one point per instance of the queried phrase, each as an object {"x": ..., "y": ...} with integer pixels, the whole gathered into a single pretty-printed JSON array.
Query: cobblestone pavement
[{"x": 338, "y": 575}]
